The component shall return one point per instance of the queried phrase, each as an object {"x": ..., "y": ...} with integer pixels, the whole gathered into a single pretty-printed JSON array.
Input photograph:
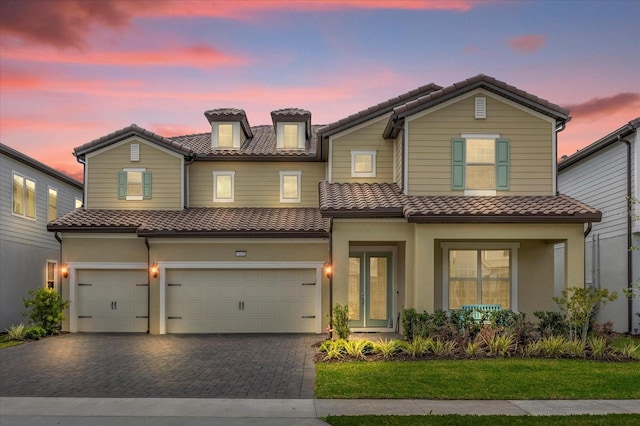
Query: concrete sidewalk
[{"x": 195, "y": 412}]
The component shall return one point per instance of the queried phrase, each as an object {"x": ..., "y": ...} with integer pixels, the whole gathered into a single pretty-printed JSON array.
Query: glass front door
[{"x": 370, "y": 289}]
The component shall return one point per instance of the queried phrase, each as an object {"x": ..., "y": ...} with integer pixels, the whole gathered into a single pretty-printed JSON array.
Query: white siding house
[
  {"x": 604, "y": 175},
  {"x": 31, "y": 194}
]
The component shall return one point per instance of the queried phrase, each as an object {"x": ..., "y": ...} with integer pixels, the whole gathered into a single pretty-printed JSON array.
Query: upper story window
[
  {"x": 225, "y": 135},
  {"x": 363, "y": 163},
  {"x": 52, "y": 204},
  {"x": 290, "y": 135},
  {"x": 134, "y": 184},
  {"x": 290, "y": 186},
  {"x": 480, "y": 164},
  {"x": 24, "y": 196},
  {"x": 223, "y": 183}
]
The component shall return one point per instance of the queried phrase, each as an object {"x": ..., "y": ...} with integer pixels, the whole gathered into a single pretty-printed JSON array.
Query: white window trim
[
  {"x": 513, "y": 247},
  {"x": 135, "y": 169},
  {"x": 24, "y": 196},
  {"x": 55, "y": 273},
  {"x": 284, "y": 173},
  {"x": 280, "y": 134},
  {"x": 480, "y": 192},
  {"x": 373, "y": 155},
  {"x": 49, "y": 188},
  {"x": 235, "y": 131},
  {"x": 215, "y": 186}
]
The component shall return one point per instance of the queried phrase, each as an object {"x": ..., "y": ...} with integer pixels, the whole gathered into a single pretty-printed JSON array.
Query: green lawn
[
  {"x": 480, "y": 379},
  {"x": 612, "y": 419},
  {"x": 9, "y": 343}
]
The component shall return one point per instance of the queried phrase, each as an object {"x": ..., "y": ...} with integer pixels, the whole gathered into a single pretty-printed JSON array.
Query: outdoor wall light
[
  {"x": 64, "y": 270},
  {"x": 154, "y": 270},
  {"x": 328, "y": 270}
]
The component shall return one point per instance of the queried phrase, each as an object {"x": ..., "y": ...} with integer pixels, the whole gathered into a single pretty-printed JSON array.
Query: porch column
[{"x": 424, "y": 288}]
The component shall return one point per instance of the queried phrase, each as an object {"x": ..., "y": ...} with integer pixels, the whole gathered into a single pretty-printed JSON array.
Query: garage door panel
[{"x": 218, "y": 301}]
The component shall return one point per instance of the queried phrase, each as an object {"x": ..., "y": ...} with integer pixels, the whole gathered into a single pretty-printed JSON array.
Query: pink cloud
[
  {"x": 529, "y": 43},
  {"x": 600, "y": 107}
]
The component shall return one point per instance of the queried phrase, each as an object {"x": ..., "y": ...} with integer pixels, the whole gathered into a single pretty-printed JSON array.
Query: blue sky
[{"x": 75, "y": 70}]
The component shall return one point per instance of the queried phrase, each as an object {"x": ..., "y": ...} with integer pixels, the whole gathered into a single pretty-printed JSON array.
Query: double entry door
[{"x": 370, "y": 289}]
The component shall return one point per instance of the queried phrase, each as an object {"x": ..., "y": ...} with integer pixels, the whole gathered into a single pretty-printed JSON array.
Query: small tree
[
  {"x": 45, "y": 308},
  {"x": 579, "y": 305},
  {"x": 340, "y": 321}
]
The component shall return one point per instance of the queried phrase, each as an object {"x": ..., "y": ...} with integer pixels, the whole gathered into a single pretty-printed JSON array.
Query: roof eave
[
  {"x": 234, "y": 234},
  {"x": 363, "y": 214},
  {"x": 581, "y": 219}
]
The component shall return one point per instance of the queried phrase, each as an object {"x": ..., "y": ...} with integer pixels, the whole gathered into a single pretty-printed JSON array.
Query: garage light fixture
[
  {"x": 328, "y": 270},
  {"x": 64, "y": 270},
  {"x": 154, "y": 270}
]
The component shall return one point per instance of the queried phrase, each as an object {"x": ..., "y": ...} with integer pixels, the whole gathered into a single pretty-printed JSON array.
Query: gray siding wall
[{"x": 25, "y": 244}]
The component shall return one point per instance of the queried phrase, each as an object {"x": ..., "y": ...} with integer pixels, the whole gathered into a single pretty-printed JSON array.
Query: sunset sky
[{"x": 74, "y": 70}]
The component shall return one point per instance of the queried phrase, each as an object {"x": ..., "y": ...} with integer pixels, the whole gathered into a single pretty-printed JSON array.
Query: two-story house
[
  {"x": 605, "y": 175},
  {"x": 31, "y": 195},
  {"x": 437, "y": 198}
]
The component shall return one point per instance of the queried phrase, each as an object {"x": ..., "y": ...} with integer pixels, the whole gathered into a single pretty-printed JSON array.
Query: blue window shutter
[
  {"x": 146, "y": 185},
  {"x": 122, "y": 185},
  {"x": 457, "y": 163},
  {"x": 502, "y": 164}
]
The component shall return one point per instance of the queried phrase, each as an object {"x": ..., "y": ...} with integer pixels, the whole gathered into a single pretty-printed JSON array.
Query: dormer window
[
  {"x": 225, "y": 136},
  {"x": 290, "y": 135}
]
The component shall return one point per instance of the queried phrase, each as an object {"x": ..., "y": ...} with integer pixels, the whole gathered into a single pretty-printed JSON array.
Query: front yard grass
[
  {"x": 9, "y": 343},
  {"x": 479, "y": 379},
  {"x": 587, "y": 420}
]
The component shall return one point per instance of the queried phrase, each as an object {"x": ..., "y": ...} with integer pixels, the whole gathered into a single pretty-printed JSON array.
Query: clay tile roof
[
  {"x": 127, "y": 132},
  {"x": 202, "y": 222},
  {"x": 345, "y": 200},
  {"x": 361, "y": 199},
  {"x": 230, "y": 114},
  {"x": 499, "y": 209},
  {"x": 290, "y": 114}
]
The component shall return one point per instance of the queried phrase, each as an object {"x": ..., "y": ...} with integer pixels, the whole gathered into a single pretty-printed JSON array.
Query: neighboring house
[
  {"x": 31, "y": 194},
  {"x": 605, "y": 175},
  {"x": 436, "y": 198}
]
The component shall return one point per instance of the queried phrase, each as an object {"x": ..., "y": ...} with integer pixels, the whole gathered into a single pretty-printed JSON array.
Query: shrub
[
  {"x": 417, "y": 347},
  {"x": 44, "y": 308},
  {"x": 575, "y": 348},
  {"x": 579, "y": 306},
  {"x": 16, "y": 332},
  {"x": 387, "y": 348},
  {"x": 631, "y": 350},
  {"x": 604, "y": 330},
  {"x": 443, "y": 347},
  {"x": 598, "y": 347},
  {"x": 552, "y": 346},
  {"x": 358, "y": 348},
  {"x": 35, "y": 332},
  {"x": 340, "y": 321},
  {"x": 551, "y": 323},
  {"x": 473, "y": 348},
  {"x": 334, "y": 349}
]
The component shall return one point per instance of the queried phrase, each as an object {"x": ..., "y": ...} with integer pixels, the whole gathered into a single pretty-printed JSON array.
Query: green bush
[
  {"x": 16, "y": 332},
  {"x": 35, "y": 332},
  {"x": 340, "y": 321},
  {"x": 551, "y": 323},
  {"x": 44, "y": 308}
]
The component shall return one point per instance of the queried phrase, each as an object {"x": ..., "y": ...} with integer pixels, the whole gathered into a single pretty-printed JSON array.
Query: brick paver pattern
[{"x": 167, "y": 366}]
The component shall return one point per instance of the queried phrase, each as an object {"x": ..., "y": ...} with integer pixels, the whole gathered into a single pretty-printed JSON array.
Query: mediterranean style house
[
  {"x": 31, "y": 195},
  {"x": 437, "y": 198},
  {"x": 605, "y": 175}
]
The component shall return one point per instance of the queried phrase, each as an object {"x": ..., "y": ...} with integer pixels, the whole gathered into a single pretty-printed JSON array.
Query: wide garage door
[
  {"x": 112, "y": 300},
  {"x": 241, "y": 300}
]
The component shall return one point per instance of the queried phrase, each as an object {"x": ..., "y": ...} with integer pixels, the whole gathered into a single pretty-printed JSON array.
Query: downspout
[
  {"x": 560, "y": 127},
  {"x": 146, "y": 243},
  {"x": 588, "y": 230},
  {"x": 629, "y": 235},
  {"x": 185, "y": 178},
  {"x": 331, "y": 275},
  {"x": 59, "y": 275}
]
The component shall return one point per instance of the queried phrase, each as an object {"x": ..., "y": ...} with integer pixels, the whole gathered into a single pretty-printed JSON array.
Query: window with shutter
[
  {"x": 134, "y": 184},
  {"x": 480, "y": 164}
]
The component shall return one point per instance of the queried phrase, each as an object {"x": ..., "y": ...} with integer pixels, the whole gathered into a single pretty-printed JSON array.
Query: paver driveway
[{"x": 177, "y": 366}]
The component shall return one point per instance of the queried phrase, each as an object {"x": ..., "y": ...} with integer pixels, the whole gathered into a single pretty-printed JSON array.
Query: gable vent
[
  {"x": 135, "y": 152},
  {"x": 481, "y": 107}
]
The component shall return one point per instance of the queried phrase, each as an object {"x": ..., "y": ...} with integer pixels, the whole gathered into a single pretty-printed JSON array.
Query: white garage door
[
  {"x": 241, "y": 301},
  {"x": 112, "y": 300}
]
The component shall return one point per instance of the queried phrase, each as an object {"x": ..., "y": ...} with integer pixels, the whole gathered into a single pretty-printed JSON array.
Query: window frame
[
  {"x": 123, "y": 184},
  {"x": 216, "y": 174},
  {"x": 513, "y": 266},
  {"x": 280, "y": 126},
  {"x": 298, "y": 175},
  {"x": 50, "y": 282},
  {"x": 235, "y": 135},
  {"x": 24, "y": 196},
  {"x": 49, "y": 206},
  {"x": 501, "y": 163},
  {"x": 355, "y": 153}
]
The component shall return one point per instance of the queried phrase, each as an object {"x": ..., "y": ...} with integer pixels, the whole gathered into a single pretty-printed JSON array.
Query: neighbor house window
[
  {"x": 480, "y": 164},
  {"x": 290, "y": 186},
  {"x": 134, "y": 184},
  {"x": 290, "y": 135},
  {"x": 223, "y": 187},
  {"x": 78, "y": 203},
  {"x": 52, "y": 204},
  {"x": 51, "y": 274},
  {"x": 225, "y": 136},
  {"x": 363, "y": 163},
  {"x": 484, "y": 274},
  {"x": 24, "y": 196}
]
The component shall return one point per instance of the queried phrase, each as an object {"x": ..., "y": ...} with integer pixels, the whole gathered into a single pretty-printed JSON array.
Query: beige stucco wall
[
  {"x": 421, "y": 270},
  {"x": 257, "y": 184},
  {"x": 102, "y": 180},
  {"x": 366, "y": 138},
  {"x": 530, "y": 135}
]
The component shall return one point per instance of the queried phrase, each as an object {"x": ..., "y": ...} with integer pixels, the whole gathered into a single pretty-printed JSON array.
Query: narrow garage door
[
  {"x": 241, "y": 301},
  {"x": 112, "y": 300}
]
